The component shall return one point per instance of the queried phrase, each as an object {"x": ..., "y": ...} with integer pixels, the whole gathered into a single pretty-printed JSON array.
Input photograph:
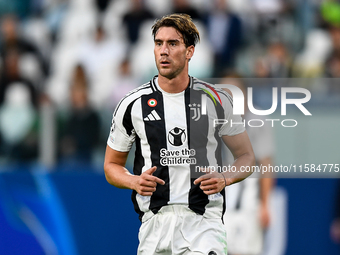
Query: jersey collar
[{"x": 155, "y": 86}]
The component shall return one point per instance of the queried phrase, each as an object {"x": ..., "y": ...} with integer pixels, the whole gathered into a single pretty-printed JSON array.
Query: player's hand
[
  {"x": 211, "y": 183},
  {"x": 146, "y": 183}
]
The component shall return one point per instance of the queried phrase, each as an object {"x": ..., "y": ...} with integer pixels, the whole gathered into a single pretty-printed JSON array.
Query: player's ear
[{"x": 190, "y": 51}]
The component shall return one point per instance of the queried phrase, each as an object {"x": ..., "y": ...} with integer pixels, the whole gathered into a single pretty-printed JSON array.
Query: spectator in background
[
  {"x": 18, "y": 109},
  {"x": 275, "y": 63},
  {"x": 11, "y": 39},
  {"x": 10, "y": 74},
  {"x": 332, "y": 68},
  {"x": 81, "y": 128},
  {"x": 18, "y": 125},
  {"x": 100, "y": 57},
  {"x": 272, "y": 18},
  {"x": 124, "y": 83},
  {"x": 309, "y": 63},
  {"x": 182, "y": 6},
  {"x": 134, "y": 18},
  {"x": 261, "y": 69},
  {"x": 225, "y": 34},
  {"x": 335, "y": 38}
]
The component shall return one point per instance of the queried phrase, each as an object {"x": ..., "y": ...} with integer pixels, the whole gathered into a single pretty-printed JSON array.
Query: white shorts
[{"x": 177, "y": 230}]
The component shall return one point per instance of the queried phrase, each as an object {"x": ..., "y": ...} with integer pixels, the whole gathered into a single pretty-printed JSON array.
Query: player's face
[{"x": 171, "y": 54}]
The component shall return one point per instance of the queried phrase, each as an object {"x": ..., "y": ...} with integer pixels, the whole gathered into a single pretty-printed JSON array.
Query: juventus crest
[{"x": 196, "y": 109}]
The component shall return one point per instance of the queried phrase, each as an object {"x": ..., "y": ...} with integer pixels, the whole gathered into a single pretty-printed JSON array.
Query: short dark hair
[{"x": 182, "y": 23}]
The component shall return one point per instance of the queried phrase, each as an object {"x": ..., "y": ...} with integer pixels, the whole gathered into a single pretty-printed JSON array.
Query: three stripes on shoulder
[{"x": 152, "y": 116}]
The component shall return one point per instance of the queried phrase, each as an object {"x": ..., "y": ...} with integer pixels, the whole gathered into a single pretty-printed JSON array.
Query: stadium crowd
[{"x": 81, "y": 56}]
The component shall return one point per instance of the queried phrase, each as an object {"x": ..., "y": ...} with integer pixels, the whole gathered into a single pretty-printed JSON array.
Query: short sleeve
[
  {"x": 122, "y": 134},
  {"x": 233, "y": 124}
]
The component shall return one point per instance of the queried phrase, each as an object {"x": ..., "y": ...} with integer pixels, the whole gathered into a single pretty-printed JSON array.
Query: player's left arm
[
  {"x": 244, "y": 158},
  {"x": 242, "y": 151}
]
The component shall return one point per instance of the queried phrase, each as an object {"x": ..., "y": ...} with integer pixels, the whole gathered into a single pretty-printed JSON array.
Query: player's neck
[{"x": 174, "y": 85}]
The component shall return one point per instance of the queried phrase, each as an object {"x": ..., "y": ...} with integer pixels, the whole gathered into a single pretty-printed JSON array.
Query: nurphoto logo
[{"x": 239, "y": 103}]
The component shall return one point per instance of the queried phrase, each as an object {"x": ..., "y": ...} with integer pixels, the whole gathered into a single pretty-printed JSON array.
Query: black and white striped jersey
[{"x": 175, "y": 133}]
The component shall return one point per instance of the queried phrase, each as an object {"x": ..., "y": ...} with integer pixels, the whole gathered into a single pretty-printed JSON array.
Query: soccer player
[
  {"x": 248, "y": 212},
  {"x": 172, "y": 121}
]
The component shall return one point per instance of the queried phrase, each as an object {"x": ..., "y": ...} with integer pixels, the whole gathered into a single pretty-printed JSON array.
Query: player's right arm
[{"x": 117, "y": 175}]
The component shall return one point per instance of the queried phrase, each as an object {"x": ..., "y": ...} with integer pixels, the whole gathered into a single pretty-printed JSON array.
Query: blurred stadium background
[{"x": 65, "y": 64}]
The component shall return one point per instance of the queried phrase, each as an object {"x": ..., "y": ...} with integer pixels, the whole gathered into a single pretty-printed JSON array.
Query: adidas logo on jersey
[{"x": 152, "y": 116}]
